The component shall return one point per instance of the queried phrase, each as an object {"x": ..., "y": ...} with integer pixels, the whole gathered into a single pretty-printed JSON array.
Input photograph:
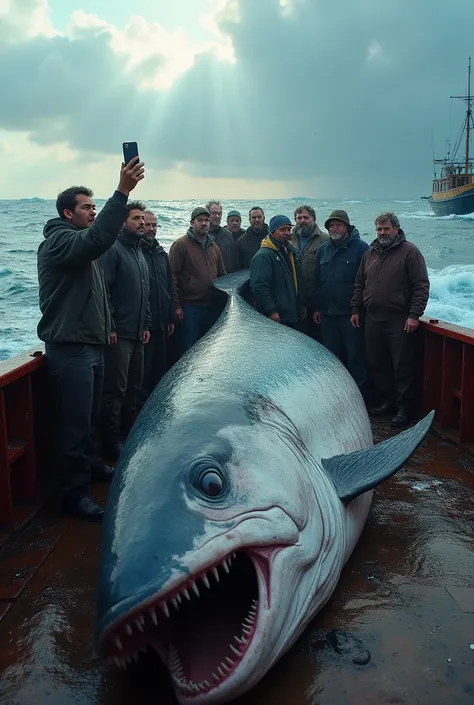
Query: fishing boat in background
[{"x": 453, "y": 190}]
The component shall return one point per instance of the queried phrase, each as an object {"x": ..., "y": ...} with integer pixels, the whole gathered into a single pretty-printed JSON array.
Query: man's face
[
  {"x": 151, "y": 225},
  {"x": 200, "y": 225},
  {"x": 257, "y": 220},
  {"x": 83, "y": 214},
  {"x": 233, "y": 224},
  {"x": 337, "y": 230},
  {"x": 305, "y": 222},
  {"x": 386, "y": 233},
  {"x": 135, "y": 222},
  {"x": 282, "y": 234},
  {"x": 216, "y": 215}
]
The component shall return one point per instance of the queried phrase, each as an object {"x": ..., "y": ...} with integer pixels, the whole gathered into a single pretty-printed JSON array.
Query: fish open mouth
[{"x": 202, "y": 628}]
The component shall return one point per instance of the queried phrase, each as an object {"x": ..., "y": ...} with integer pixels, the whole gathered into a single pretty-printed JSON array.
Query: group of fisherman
[{"x": 117, "y": 309}]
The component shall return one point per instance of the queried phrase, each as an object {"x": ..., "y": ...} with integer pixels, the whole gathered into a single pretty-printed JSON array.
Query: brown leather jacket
[{"x": 392, "y": 280}]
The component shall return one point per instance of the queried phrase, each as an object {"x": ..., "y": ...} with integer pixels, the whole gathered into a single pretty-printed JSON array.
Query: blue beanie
[
  {"x": 233, "y": 214},
  {"x": 277, "y": 221}
]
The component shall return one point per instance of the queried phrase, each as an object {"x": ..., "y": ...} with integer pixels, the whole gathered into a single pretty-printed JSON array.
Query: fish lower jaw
[
  {"x": 223, "y": 671},
  {"x": 201, "y": 628}
]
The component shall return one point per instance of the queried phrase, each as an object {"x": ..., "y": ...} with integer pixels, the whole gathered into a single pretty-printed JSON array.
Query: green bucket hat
[{"x": 338, "y": 215}]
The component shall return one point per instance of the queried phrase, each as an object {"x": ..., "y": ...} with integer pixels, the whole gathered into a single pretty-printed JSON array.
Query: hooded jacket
[
  {"x": 307, "y": 259},
  {"x": 392, "y": 280},
  {"x": 72, "y": 290},
  {"x": 336, "y": 268},
  {"x": 162, "y": 302},
  {"x": 275, "y": 280},
  {"x": 249, "y": 244},
  {"x": 128, "y": 282}
]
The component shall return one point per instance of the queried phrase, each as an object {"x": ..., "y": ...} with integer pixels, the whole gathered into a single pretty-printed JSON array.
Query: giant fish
[{"x": 242, "y": 491}]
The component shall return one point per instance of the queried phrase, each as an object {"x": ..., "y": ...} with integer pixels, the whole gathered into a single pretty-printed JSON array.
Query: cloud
[{"x": 340, "y": 95}]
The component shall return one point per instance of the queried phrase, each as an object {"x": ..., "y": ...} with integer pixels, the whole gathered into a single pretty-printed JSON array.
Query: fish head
[{"x": 214, "y": 543}]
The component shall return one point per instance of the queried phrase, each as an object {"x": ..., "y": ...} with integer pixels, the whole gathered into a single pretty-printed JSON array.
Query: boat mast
[
  {"x": 468, "y": 99},
  {"x": 469, "y": 113}
]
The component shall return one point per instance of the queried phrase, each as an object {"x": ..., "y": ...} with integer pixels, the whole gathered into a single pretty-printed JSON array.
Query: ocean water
[{"x": 447, "y": 244}]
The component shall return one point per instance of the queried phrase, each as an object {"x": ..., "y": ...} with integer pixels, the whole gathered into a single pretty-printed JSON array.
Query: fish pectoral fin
[{"x": 361, "y": 471}]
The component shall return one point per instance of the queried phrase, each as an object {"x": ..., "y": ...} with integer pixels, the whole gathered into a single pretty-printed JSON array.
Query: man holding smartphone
[{"x": 76, "y": 325}]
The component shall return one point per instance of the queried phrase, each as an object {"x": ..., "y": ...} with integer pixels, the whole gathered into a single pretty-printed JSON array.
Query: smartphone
[{"x": 130, "y": 151}]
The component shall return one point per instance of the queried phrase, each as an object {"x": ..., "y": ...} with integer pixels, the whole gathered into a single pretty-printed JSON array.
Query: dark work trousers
[
  {"x": 122, "y": 388},
  {"x": 76, "y": 371},
  {"x": 347, "y": 344},
  {"x": 309, "y": 327},
  {"x": 155, "y": 363},
  {"x": 196, "y": 323},
  {"x": 391, "y": 360}
]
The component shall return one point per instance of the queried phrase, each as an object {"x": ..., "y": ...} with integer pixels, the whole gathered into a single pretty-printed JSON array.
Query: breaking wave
[{"x": 452, "y": 295}]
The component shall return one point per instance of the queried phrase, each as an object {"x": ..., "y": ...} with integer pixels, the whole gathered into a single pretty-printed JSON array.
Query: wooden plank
[{"x": 6, "y": 509}]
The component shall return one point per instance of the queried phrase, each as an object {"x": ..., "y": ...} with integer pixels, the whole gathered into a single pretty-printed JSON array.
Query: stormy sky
[{"x": 231, "y": 98}]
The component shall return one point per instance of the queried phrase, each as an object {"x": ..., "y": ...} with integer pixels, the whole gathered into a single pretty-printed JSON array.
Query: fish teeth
[
  {"x": 117, "y": 661},
  {"x": 195, "y": 589},
  {"x": 221, "y": 672},
  {"x": 186, "y": 594},
  {"x": 207, "y": 684},
  {"x": 235, "y": 651},
  {"x": 216, "y": 574},
  {"x": 227, "y": 668},
  {"x": 154, "y": 617},
  {"x": 240, "y": 641},
  {"x": 128, "y": 629},
  {"x": 164, "y": 607},
  {"x": 216, "y": 678},
  {"x": 225, "y": 565},
  {"x": 118, "y": 643},
  {"x": 230, "y": 661},
  {"x": 174, "y": 602},
  {"x": 179, "y": 598},
  {"x": 247, "y": 631},
  {"x": 139, "y": 625},
  {"x": 205, "y": 580}
]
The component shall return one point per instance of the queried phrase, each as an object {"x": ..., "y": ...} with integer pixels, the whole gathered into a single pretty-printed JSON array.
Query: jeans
[
  {"x": 76, "y": 371},
  {"x": 122, "y": 388},
  {"x": 198, "y": 320}
]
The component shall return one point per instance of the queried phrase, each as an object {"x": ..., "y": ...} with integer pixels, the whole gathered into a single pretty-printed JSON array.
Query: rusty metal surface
[{"x": 398, "y": 629}]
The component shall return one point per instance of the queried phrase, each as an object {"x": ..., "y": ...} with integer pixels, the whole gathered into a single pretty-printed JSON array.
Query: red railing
[
  {"x": 448, "y": 378},
  {"x": 18, "y": 428},
  {"x": 447, "y": 385}
]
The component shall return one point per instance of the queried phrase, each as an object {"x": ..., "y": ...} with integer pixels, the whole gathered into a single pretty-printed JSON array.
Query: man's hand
[
  {"x": 180, "y": 314},
  {"x": 275, "y": 317},
  {"x": 355, "y": 320},
  {"x": 130, "y": 175},
  {"x": 317, "y": 317},
  {"x": 146, "y": 337},
  {"x": 113, "y": 339},
  {"x": 411, "y": 325},
  {"x": 170, "y": 328}
]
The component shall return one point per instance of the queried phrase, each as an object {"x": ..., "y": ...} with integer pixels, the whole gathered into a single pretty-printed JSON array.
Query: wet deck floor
[{"x": 398, "y": 629}]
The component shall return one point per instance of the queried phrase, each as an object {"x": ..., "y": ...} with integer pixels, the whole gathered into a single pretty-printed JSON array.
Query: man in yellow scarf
[{"x": 275, "y": 275}]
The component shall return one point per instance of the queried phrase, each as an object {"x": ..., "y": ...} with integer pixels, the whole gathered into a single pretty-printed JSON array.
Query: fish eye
[{"x": 211, "y": 483}]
